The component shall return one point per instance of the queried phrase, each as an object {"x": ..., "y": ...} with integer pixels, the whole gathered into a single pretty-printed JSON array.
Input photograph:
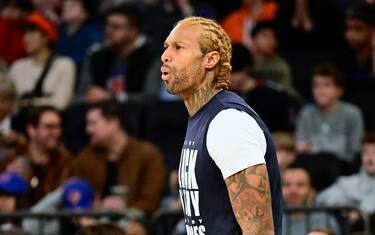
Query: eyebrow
[{"x": 174, "y": 42}]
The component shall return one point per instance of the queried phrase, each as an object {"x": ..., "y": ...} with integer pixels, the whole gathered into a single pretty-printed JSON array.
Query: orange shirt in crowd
[{"x": 235, "y": 23}]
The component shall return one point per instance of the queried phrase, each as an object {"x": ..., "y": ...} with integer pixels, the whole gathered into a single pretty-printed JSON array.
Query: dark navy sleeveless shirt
[{"x": 203, "y": 192}]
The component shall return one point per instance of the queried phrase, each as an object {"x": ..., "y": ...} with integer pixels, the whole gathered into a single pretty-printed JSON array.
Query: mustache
[{"x": 166, "y": 66}]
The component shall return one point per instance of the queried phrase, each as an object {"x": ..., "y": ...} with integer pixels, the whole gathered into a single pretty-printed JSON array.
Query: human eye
[{"x": 178, "y": 47}]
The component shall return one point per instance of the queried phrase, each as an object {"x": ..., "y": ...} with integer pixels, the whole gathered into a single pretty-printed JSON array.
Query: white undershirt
[{"x": 235, "y": 141}]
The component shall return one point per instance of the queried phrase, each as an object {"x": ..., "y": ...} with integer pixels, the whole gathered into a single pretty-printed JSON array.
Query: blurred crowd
[{"x": 86, "y": 124}]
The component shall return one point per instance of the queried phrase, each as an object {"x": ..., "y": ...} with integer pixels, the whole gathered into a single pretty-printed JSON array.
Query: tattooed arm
[{"x": 250, "y": 196}]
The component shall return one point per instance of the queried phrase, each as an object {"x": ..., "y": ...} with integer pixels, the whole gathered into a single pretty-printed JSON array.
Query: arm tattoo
[{"x": 250, "y": 196}]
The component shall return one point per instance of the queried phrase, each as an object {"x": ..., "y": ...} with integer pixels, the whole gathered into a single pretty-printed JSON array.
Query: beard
[{"x": 183, "y": 81}]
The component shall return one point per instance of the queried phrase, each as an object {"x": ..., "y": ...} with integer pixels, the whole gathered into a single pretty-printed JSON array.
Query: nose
[{"x": 165, "y": 57}]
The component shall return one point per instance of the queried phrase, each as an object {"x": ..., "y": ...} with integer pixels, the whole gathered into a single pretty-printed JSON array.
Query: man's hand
[{"x": 250, "y": 196}]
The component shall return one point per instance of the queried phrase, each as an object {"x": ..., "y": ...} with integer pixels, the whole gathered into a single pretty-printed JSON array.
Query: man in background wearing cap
[
  {"x": 75, "y": 194},
  {"x": 58, "y": 85}
]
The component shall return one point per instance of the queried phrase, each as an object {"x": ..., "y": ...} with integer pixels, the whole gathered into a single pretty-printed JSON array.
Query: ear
[
  {"x": 30, "y": 131},
  {"x": 211, "y": 59}
]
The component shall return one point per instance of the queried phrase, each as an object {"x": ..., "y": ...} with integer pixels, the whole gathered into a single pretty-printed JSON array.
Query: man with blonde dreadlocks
[{"x": 229, "y": 180}]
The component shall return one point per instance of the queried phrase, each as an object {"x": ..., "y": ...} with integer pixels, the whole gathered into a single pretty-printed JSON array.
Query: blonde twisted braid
[{"x": 214, "y": 38}]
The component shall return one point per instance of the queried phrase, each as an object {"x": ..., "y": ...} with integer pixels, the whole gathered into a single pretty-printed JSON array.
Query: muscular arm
[{"x": 250, "y": 196}]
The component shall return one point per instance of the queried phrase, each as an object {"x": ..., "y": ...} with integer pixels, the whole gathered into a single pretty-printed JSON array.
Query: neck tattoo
[{"x": 200, "y": 97}]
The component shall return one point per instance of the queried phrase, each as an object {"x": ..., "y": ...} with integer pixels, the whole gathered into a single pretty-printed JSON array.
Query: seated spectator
[
  {"x": 268, "y": 64},
  {"x": 13, "y": 190},
  {"x": 77, "y": 35},
  {"x": 356, "y": 190},
  {"x": 9, "y": 139},
  {"x": 12, "y": 26},
  {"x": 285, "y": 149},
  {"x": 267, "y": 100},
  {"x": 329, "y": 125},
  {"x": 240, "y": 23},
  {"x": 42, "y": 78},
  {"x": 357, "y": 63},
  {"x": 298, "y": 191},
  {"x": 44, "y": 160},
  {"x": 119, "y": 69},
  {"x": 75, "y": 194},
  {"x": 115, "y": 161}
]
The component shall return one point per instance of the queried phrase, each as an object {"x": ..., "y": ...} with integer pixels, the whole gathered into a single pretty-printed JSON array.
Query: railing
[
  {"x": 43, "y": 217},
  {"x": 163, "y": 222},
  {"x": 334, "y": 212}
]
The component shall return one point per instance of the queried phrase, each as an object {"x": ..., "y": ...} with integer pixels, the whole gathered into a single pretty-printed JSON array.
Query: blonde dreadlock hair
[{"x": 214, "y": 38}]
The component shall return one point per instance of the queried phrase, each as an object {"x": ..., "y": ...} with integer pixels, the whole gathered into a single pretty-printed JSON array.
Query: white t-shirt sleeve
[{"x": 235, "y": 141}]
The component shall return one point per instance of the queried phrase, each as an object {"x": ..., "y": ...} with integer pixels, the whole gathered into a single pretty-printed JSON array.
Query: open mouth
[{"x": 164, "y": 73}]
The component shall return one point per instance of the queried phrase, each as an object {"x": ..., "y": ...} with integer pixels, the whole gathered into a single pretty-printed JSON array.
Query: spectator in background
[
  {"x": 269, "y": 65},
  {"x": 116, "y": 163},
  {"x": 240, "y": 23},
  {"x": 13, "y": 190},
  {"x": 356, "y": 190},
  {"x": 9, "y": 139},
  {"x": 12, "y": 26},
  {"x": 75, "y": 194},
  {"x": 357, "y": 63},
  {"x": 268, "y": 101},
  {"x": 329, "y": 125},
  {"x": 43, "y": 162},
  {"x": 49, "y": 8},
  {"x": 298, "y": 191},
  {"x": 77, "y": 35},
  {"x": 119, "y": 69},
  {"x": 42, "y": 78},
  {"x": 285, "y": 149}
]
